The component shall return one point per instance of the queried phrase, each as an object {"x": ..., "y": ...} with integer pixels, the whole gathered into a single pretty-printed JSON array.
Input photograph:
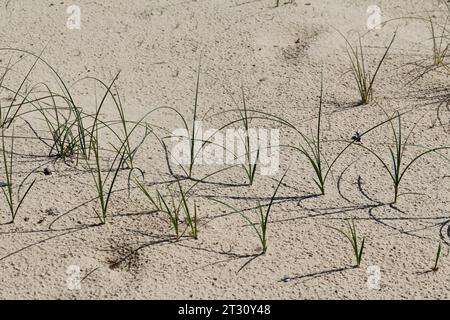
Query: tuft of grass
[
  {"x": 357, "y": 244},
  {"x": 364, "y": 78},
  {"x": 436, "y": 260},
  {"x": 7, "y": 189},
  {"x": 311, "y": 149},
  {"x": 81, "y": 135},
  {"x": 397, "y": 168}
]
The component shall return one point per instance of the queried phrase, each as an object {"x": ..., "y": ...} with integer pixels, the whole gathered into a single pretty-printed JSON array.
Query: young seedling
[
  {"x": 261, "y": 227},
  {"x": 193, "y": 132},
  {"x": 155, "y": 201},
  {"x": 313, "y": 149},
  {"x": 7, "y": 187},
  {"x": 364, "y": 78},
  {"x": 173, "y": 207},
  {"x": 173, "y": 211},
  {"x": 103, "y": 191},
  {"x": 436, "y": 260},
  {"x": 397, "y": 168},
  {"x": 352, "y": 237},
  {"x": 190, "y": 215},
  {"x": 440, "y": 48},
  {"x": 191, "y": 129},
  {"x": 250, "y": 166}
]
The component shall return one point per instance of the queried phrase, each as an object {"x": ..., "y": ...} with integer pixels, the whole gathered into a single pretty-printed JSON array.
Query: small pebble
[{"x": 52, "y": 211}]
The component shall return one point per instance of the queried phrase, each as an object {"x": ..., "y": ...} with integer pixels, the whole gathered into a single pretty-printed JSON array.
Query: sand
[{"x": 56, "y": 249}]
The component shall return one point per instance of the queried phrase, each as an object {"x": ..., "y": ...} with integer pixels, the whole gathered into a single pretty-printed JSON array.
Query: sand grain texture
[{"x": 278, "y": 55}]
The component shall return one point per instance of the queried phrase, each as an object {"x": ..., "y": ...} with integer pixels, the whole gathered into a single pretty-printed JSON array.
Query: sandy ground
[{"x": 278, "y": 55}]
